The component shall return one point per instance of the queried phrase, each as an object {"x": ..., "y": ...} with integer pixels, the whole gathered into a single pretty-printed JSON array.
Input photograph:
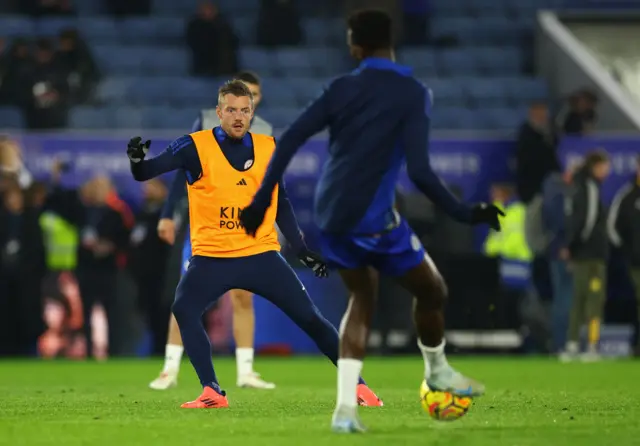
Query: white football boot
[
  {"x": 253, "y": 381},
  {"x": 452, "y": 381},
  {"x": 345, "y": 420},
  {"x": 165, "y": 381}
]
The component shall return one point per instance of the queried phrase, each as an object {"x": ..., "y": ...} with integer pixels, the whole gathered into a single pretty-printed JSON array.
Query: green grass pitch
[{"x": 529, "y": 402}]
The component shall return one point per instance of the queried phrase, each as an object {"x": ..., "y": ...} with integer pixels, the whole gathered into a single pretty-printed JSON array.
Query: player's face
[
  {"x": 235, "y": 113},
  {"x": 256, "y": 91}
]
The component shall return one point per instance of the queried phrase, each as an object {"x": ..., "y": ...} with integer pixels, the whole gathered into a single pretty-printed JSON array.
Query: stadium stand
[{"x": 480, "y": 83}]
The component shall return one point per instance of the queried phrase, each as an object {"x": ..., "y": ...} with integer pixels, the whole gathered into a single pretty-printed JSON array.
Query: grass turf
[{"x": 529, "y": 402}]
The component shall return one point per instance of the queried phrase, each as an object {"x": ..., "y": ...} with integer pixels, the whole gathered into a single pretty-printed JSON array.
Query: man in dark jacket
[
  {"x": 623, "y": 225},
  {"x": 554, "y": 190},
  {"x": 587, "y": 250},
  {"x": 149, "y": 260},
  {"x": 22, "y": 269},
  {"x": 535, "y": 154}
]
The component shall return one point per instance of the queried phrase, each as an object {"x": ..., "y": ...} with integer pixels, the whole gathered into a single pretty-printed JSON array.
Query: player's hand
[
  {"x": 314, "y": 262},
  {"x": 486, "y": 213},
  {"x": 251, "y": 218},
  {"x": 167, "y": 230},
  {"x": 137, "y": 150}
]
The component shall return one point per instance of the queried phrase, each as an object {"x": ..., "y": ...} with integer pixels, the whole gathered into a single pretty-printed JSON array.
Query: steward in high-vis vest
[
  {"x": 224, "y": 256},
  {"x": 510, "y": 245},
  {"x": 60, "y": 242}
]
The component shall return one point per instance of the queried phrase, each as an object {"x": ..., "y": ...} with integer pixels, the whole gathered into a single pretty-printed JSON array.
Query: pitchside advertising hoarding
[{"x": 472, "y": 165}]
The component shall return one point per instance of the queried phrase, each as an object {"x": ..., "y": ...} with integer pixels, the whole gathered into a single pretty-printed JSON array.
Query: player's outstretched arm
[
  {"x": 416, "y": 143},
  {"x": 169, "y": 160}
]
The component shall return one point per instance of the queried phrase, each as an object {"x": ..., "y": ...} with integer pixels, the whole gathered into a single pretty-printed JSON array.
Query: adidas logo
[{"x": 242, "y": 182}]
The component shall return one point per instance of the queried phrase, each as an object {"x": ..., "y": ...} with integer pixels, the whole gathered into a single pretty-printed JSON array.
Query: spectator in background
[
  {"x": 11, "y": 163},
  {"x": 103, "y": 233},
  {"x": 213, "y": 43},
  {"x": 22, "y": 269},
  {"x": 623, "y": 224},
  {"x": 554, "y": 190},
  {"x": 581, "y": 117},
  {"x": 150, "y": 256},
  {"x": 124, "y": 8},
  {"x": 48, "y": 106},
  {"x": 278, "y": 24},
  {"x": 587, "y": 250},
  {"x": 417, "y": 22},
  {"x": 75, "y": 60},
  {"x": 536, "y": 155},
  {"x": 40, "y": 8},
  {"x": 14, "y": 89}
]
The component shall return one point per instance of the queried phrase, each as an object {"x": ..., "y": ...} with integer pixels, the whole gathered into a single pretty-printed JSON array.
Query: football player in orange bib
[{"x": 224, "y": 168}]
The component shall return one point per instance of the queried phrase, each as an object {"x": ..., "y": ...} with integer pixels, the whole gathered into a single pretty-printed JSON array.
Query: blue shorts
[
  {"x": 392, "y": 253},
  {"x": 186, "y": 253}
]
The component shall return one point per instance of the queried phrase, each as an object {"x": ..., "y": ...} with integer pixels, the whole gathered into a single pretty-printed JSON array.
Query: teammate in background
[
  {"x": 224, "y": 167},
  {"x": 378, "y": 116},
  {"x": 241, "y": 301}
]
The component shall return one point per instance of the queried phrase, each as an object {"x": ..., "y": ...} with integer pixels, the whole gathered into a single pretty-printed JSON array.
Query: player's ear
[{"x": 219, "y": 112}]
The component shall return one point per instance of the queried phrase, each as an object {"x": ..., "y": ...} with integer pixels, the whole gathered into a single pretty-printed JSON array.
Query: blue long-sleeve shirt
[
  {"x": 182, "y": 155},
  {"x": 378, "y": 116}
]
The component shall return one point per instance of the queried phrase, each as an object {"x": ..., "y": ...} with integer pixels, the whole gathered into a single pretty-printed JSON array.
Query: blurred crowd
[{"x": 72, "y": 258}]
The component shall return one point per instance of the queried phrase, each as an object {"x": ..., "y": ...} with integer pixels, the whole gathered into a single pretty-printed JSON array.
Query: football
[{"x": 443, "y": 406}]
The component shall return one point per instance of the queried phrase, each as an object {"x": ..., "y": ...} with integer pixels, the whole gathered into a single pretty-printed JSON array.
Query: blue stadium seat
[
  {"x": 99, "y": 29},
  {"x": 16, "y": 26},
  {"x": 173, "y": 7},
  {"x": 115, "y": 90},
  {"x": 180, "y": 119},
  {"x": 153, "y": 30},
  {"x": 280, "y": 92},
  {"x": 423, "y": 61},
  {"x": 52, "y": 26},
  {"x": 487, "y": 7},
  {"x": 192, "y": 92},
  {"x": 166, "y": 61},
  {"x": 498, "y": 30},
  {"x": 11, "y": 118},
  {"x": 89, "y": 8},
  {"x": 279, "y": 117},
  {"x": 238, "y": 7},
  {"x": 502, "y": 118},
  {"x": 453, "y": 118},
  {"x": 457, "y": 62},
  {"x": 486, "y": 93},
  {"x": 119, "y": 60},
  {"x": 450, "y": 8},
  {"x": 446, "y": 92},
  {"x": 151, "y": 91},
  {"x": 306, "y": 89},
  {"x": 245, "y": 28},
  {"x": 294, "y": 61},
  {"x": 129, "y": 118},
  {"x": 90, "y": 118},
  {"x": 316, "y": 32},
  {"x": 504, "y": 61},
  {"x": 252, "y": 58},
  {"x": 523, "y": 90},
  {"x": 336, "y": 32},
  {"x": 327, "y": 61}
]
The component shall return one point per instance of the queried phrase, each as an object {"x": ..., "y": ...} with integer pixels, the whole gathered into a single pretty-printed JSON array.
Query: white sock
[
  {"x": 348, "y": 377},
  {"x": 434, "y": 358},
  {"x": 244, "y": 361},
  {"x": 172, "y": 358}
]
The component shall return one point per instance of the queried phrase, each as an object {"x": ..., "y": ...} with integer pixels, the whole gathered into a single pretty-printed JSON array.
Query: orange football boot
[
  {"x": 210, "y": 399},
  {"x": 366, "y": 397}
]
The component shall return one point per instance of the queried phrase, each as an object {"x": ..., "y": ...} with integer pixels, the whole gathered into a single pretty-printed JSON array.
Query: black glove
[
  {"x": 137, "y": 150},
  {"x": 251, "y": 218},
  {"x": 314, "y": 262},
  {"x": 486, "y": 213}
]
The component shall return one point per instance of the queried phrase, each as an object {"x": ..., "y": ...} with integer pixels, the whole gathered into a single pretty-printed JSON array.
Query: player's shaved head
[{"x": 370, "y": 31}]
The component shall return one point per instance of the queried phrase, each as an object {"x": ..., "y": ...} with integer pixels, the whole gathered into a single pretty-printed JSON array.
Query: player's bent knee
[{"x": 434, "y": 295}]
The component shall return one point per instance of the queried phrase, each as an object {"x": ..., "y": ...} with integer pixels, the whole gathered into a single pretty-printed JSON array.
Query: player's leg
[
  {"x": 577, "y": 313},
  {"x": 593, "y": 308},
  {"x": 243, "y": 334},
  {"x": 399, "y": 253},
  {"x": 204, "y": 282},
  {"x": 290, "y": 295},
  {"x": 174, "y": 348}
]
